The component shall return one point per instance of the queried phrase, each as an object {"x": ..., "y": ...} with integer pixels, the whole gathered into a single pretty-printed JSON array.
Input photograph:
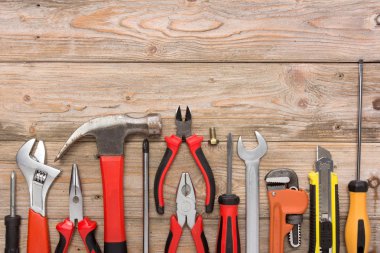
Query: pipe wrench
[
  {"x": 287, "y": 205},
  {"x": 39, "y": 178}
]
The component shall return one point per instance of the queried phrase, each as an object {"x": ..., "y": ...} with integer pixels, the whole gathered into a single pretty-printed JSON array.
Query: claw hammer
[{"x": 110, "y": 133}]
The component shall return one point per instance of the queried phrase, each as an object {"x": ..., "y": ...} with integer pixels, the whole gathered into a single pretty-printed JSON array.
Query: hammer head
[{"x": 111, "y": 131}]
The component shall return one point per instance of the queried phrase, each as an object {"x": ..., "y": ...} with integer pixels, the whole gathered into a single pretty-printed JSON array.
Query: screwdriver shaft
[
  {"x": 360, "y": 109},
  {"x": 146, "y": 194},
  {"x": 13, "y": 195},
  {"x": 229, "y": 163}
]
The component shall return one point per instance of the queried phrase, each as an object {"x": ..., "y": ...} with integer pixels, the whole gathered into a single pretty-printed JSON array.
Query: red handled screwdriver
[{"x": 228, "y": 235}]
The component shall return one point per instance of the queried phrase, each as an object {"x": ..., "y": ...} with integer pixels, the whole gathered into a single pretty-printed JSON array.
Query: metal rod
[
  {"x": 146, "y": 194},
  {"x": 360, "y": 109},
  {"x": 229, "y": 163},
  {"x": 13, "y": 193}
]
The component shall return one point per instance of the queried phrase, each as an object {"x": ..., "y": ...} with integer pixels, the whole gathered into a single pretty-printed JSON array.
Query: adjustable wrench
[
  {"x": 39, "y": 178},
  {"x": 252, "y": 163}
]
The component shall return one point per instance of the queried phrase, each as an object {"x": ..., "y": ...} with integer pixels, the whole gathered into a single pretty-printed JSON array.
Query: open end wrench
[{"x": 252, "y": 163}]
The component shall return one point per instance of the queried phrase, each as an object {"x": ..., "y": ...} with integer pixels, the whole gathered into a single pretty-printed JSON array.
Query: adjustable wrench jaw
[{"x": 38, "y": 175}]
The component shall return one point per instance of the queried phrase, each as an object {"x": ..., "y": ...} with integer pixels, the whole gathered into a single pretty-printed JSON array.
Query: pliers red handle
[
  {"x": 86, "y": 227},
  {"x": 186, "y": 214},
  {"x": 175, "y": 235},
  {"x": 194, "y": 143}
]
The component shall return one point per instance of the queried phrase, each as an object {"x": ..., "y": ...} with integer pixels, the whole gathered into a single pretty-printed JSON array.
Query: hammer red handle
[
  {"x": 195, "y": 145},
  {"x": 38, "y": 233},
  {"x": 114, "y": 230}
]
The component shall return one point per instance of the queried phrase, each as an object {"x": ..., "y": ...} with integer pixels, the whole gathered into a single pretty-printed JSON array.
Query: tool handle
[
  {"x": 174, "y": 236},
  {"x": 324, "y": 235},
  {"x": 65, "y": 230},
  {"x": 199, "y": 236},
  {"x": 38, "y": 233},
  {"x": 358, "y": 229},
  {"x": 12, "y": 233},
  {"x": 228, "y": 235},
  {"x": 194, "y": 142},
  {"x": 112, "y": 168},
  {"x": 173, "y": 142},
  {"x": 86, "y": 228}
]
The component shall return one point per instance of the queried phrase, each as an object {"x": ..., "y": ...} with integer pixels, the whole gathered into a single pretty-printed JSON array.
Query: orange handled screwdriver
[
  {"x": 358, "y": 230},
  {"x": 228, "y": 235}
]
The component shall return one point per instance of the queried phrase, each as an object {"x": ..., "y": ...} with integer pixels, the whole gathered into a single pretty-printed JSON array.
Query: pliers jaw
[
  {"x": 76, "y": 199},
  {"x": 186, "y": 211},
  {"x": 183, "y": 127}
]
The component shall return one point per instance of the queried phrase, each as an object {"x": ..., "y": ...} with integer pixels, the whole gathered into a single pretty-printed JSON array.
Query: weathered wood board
[
  {"x": 295, "y": 106},
  {"x": 190, "y": 30}
]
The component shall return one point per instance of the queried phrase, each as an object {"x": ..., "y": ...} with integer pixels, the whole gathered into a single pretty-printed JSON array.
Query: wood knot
[
  {"x": 38, "y": 5},
  {"x": 152, "y": 50},
  {"x": 302, "y": 103},
  {"x": 127, "y": 98},
  {"x": 340, "y": 75},
  {"x": 32, "y": 129},
  {"x": 27, "y": 98},
  {"x": 337, "y": 127},
  {"x": 97, "y": 196},
  {"x": 376, "y": 104},
  {"x": 377, "y": 20},
  {"x": 373, "y": 182}
]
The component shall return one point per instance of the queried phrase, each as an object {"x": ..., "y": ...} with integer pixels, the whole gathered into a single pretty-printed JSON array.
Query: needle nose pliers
[
  {"x": 194, "y": 143},
  {"x": 86, "y": 227},
  {"x": 186, "y": 214}
]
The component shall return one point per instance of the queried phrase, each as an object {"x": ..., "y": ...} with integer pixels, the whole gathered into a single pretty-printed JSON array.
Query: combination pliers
[
  {"x": 86, "y": 227},
  {"x": 194, "y": 143},
  {"x": 186, "y": 214}
]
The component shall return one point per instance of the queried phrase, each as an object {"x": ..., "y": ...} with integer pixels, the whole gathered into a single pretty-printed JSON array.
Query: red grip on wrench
[
  {"x": 194, "y": 142},
  {"x": 112, "y": 177},
  {"x": 173, "y": 142},
  {"x": 65, "y": 230},
  {"x": 38, "y": 233}
]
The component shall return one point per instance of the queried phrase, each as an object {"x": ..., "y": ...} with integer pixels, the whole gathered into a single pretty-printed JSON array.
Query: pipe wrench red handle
[
  {"x": 173, "y": 142},
  {"x": 112, "y": 168},
  {"x": 283, "y": 203},
  {"x": 38, "y": 233},
  {"x": 195, "y": 145}
]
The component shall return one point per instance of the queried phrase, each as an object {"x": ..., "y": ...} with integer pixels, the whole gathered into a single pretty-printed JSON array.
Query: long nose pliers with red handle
[
  {"x": 86, "y": 227},
  {"x": 194, "y": 143},
  {"x": 186, "y": 214}
]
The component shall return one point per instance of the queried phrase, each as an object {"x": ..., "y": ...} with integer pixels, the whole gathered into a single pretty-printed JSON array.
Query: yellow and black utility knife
[{"x": 324, "y": 205}]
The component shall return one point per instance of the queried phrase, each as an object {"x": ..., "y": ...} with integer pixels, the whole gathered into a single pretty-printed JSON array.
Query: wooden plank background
[{"x": 285, "y": 68}]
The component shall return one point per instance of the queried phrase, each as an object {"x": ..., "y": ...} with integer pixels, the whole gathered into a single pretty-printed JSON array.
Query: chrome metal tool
[{"x": 252, "y": 163}]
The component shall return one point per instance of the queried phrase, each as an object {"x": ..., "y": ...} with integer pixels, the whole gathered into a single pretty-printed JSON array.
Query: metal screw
[{"x": 213, "y": 140}]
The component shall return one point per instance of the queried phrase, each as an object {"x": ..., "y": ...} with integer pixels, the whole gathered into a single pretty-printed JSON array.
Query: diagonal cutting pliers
[
  {"x": 186, "y": 214},
  {"x": 86, "y": 227},
  {"x": 194, "y": 143}
]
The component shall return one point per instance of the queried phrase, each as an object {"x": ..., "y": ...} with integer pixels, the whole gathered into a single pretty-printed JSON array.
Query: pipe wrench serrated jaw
[{"x": 38, "y": 175}]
